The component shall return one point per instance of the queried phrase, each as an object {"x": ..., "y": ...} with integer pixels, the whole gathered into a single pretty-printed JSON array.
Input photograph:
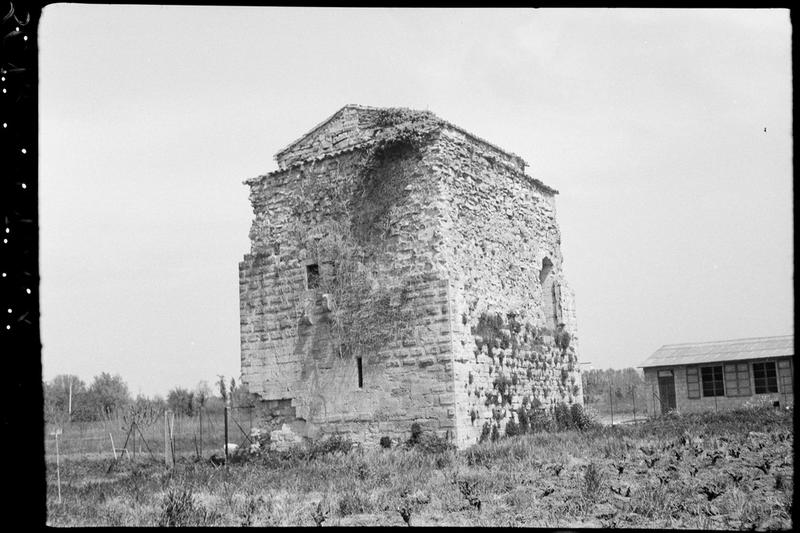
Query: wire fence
[
  {"x": 204, "y": 433},
  {"x": 617, "y": 406},
  {"x": 201, "y": 435}
]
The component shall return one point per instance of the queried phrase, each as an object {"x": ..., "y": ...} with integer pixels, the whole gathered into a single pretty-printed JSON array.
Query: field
[{"x": 717, "y": 471}]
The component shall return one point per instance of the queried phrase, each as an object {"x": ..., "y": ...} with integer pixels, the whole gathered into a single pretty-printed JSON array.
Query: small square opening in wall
[
  {"x": 360, "y": 373},
  {"x": 312, "y": 276}
]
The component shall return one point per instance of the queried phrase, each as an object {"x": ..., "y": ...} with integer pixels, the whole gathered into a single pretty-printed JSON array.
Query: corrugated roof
[{"x": 719, "y": 351}]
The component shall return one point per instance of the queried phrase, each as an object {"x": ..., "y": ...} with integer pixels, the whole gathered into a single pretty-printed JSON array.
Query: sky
[{"x": 667, "y": 133}]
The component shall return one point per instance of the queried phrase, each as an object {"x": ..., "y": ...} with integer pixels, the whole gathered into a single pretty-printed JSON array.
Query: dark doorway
[{"x": 666, "y": 391}]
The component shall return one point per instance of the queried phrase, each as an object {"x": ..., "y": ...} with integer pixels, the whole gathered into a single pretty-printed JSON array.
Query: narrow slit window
[
  {"x": 360, "y": 373},
  {"x": 312, "y": 276}
]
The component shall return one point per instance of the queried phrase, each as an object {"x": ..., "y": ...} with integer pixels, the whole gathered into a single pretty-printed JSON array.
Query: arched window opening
[{"x": 549, "y": 302}]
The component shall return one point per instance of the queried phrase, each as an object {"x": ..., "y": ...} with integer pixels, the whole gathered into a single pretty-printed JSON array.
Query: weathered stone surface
[{"x": 469, "y": 241}]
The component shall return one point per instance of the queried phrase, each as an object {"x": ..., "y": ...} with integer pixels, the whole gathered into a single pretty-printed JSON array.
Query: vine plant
[{"x": 368, "y": 307}]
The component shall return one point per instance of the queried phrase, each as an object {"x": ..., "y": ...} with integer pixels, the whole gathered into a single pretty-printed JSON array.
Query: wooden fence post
[
  {"x": 226, "y": 432},
  {"x": 56, "y": 433},
  {"x": 166, "y": 440},
  {"x": 611, "y": 403},
  {"x": 172, "y": 436}
]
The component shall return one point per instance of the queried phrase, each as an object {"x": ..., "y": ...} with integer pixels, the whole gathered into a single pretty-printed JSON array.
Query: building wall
[
  {"x": 498, "y": 226},
  {"x": 684, "y": 404},
  {"x": 463, "y": 232},
  {"x": 346, "y": 129},
  {"x": 288, "y": 350}
]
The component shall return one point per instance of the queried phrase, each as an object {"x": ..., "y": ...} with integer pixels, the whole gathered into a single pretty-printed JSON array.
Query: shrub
[
  {"x": 563, "y": 416},
  {"x": 429, "y": 443},
  {"x": 592, "y": 481},
  {"x": 354, "y": 502},
  {"x": 179, "y": 509},
  {"x": 524, "y": 420},
  {"x": 512, "y": 429},
  {"x": 539, "y": 420},
  {"x": 485, "y": 432},
  {"x": 478, "y": 456},
  {"x": 416, "y": 431},
  {"x": 386, "y": 442},
  {"x": 332, "y": 444}
]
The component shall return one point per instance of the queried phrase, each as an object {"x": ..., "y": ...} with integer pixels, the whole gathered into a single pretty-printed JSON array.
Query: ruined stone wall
[
  {"x": 344, "y": 130},
  {"x": 499, "y": 226},
  {"x": 461, "y": 262},
  {"x": 290, "y": 349}
]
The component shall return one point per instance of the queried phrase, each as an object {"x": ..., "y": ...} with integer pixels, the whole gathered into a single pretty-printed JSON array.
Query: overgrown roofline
[
  {"x": 517, "y": 166},
  {"x": 472, "y": 136},
  {"x": 366, "y": 144}
]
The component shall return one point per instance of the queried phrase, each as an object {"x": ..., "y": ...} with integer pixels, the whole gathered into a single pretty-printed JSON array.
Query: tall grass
[{"x": 563, "y": 479}]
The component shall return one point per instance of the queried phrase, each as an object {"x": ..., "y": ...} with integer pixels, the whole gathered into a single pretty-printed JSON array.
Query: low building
[{"x": 708, "y": 376}]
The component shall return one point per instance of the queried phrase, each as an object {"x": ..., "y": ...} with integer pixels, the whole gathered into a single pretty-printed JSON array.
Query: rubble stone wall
[
  {"x": 499, "y": 227},
  {"x": 288, "y": 350},
  {"x": 469, "y": 248}
]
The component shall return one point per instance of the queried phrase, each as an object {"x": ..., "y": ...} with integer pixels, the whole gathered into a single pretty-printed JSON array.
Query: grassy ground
[{"x": 726, "y": 471}]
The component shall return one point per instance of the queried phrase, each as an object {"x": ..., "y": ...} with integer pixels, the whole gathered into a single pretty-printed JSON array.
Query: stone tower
[{"x": 402, "y": 270}]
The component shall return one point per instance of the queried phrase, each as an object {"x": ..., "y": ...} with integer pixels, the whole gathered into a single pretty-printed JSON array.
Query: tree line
[
  {"x": 621, "y": 383},
  {"x": 67, "y": 398}
]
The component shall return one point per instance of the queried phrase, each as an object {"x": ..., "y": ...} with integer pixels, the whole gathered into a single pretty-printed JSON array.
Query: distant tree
[
  {"x": 620, "y": 382},
  {"x": 155, "y": 403},
  {"x": 54, "y": 412},
  {"x": 158, "y": 402},
  {"x": 223, "y": 389},
  {"x": 181, "y": 401},
  {"x": 63, "y": 396},
  {"x": 242, "y": 397},
  {"x": 108, "y": 395},
  {"x": 144, "y": 412},
  {"x": 202, "y": 393}
]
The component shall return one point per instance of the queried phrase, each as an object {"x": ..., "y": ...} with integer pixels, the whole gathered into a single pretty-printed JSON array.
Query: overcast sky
[{"x": 667, "y": 133}]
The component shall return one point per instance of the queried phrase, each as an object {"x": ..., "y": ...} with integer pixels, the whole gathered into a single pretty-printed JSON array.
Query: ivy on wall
[
  {"x": 339, "y": 217},
  {"x": 528, "y": 370}
]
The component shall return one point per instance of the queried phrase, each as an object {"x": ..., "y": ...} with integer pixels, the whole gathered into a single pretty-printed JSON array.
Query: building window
[
  {"x": 692, "y": 382},
  {"x": 312, "y": 276},
  {"x": 737, "y": 379},
  {"x": 360, "y": 373},
  {"x": 766, "y": 378},
  {"x": 712, "y": 381},
  {"x": 785, "y": 376}
]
